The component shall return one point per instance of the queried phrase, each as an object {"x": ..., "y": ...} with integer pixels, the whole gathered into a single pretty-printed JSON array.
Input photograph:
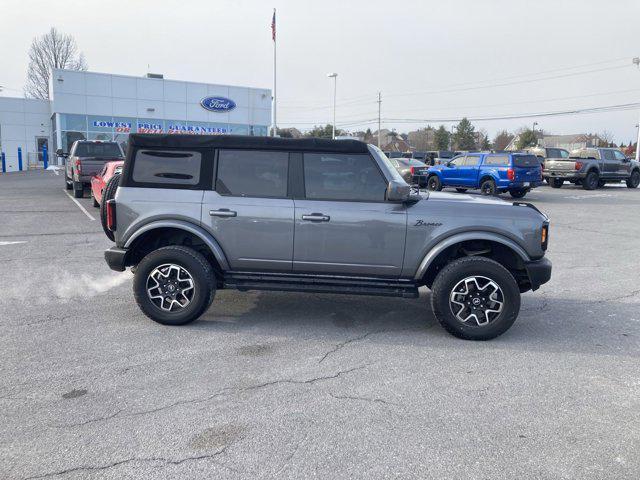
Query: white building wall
[{"x": 22, "y": 120}]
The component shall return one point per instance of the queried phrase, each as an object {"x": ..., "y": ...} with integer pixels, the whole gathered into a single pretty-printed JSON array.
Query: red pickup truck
[
  {"x": 100, "y": 180},
  {"x": 85, "y": 159}
]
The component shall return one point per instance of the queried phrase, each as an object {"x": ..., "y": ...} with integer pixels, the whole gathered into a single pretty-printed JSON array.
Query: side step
[{"x": 320, "y": 284}]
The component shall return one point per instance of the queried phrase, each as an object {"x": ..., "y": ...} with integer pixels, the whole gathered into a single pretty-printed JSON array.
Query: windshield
[
  {"x": 391, "y": 168},
  {"x": 97, "y": 150}
]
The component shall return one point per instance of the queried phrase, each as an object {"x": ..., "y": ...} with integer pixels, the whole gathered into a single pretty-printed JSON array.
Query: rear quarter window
[
  {"x": 496, "y": 160},
  {"x": 167, "y": 168}
]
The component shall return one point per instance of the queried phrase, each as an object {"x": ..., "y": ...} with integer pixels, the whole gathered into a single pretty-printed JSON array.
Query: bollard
[
  {"x": 45, "y": 157},
  {"x": 4, "y": 163},
  {"x": 19, "y": 159}
]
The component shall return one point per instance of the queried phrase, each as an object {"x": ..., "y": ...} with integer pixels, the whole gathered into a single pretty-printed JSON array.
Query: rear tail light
[
  {"x": 111, "y": 215},
  {"x": 78, "y": 167},
  {"x": 578, "y": 165},
  {"x": 412, "y": 170},
  {"x": 511, "y": 174}
]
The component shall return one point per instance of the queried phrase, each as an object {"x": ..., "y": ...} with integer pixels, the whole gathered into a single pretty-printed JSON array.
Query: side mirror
[
  {"x": 60, "y": 153},
  {"x": 398, "y": 191}
]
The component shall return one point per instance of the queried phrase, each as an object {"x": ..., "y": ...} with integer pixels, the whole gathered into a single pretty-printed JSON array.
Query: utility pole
[
  {"x": 335, "y": 85},
  {"x": 379, "y": 112},
  {"x": 636, "y": 61}
]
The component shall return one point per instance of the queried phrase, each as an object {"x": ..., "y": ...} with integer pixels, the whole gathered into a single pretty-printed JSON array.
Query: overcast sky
[{"x": 430, "y": 59}]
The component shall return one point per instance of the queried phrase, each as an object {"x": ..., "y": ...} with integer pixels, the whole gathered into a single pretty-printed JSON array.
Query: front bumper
[
  {"x": 539, "y": 272},
  {"x": 116, "y": 258}
]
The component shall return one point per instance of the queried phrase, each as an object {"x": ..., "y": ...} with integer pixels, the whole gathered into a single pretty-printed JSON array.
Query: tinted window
[
  {"x": 173, "y": 167},
  {"x": 329, "y": 176},
  {"x": 619, "y": 155},
  {"x": 608, "y": 155},
  {"x": 250, "y": 173},
  {"x": 97, "y": 150},
  {"x": 472, "y": 160},
  {"x": 525, "y": 161},
  {"x": 502, "y": 160}
]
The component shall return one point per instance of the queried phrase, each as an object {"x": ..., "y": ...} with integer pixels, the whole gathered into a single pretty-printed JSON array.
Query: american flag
[{"x": 273, "y": 26}]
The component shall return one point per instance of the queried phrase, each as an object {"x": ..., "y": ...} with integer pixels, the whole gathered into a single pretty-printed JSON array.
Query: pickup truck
[
  {"x": 86, "y": 158},
  {"x": 193, "y": 214},
  {"x": 592, "y": 168},
  {"x": 492, "y": 173}
]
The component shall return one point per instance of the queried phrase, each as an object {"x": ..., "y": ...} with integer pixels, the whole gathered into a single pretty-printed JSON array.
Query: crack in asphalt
[
  {"x": 166, "y": 461},
  {"x": 287, "y": 460},
  {"x": 619, "y": 297},
  {"x": 364, "y": 399},
  {"x": 224, "y": 391},
  {"x": 341, "y": 345}
]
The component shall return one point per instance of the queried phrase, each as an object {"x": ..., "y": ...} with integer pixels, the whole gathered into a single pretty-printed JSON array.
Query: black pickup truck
[
  {"x": 592, "y": 168},
  {"x": 85, "y": 159}
]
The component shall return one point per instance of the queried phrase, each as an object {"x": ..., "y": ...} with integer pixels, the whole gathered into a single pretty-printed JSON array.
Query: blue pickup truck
[{"x": 492, "y": 173}]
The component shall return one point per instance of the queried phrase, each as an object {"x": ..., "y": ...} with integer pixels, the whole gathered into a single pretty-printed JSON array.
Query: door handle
[
  {"x": 223, "y": 212},
  {"x": 316, "y": 217}
]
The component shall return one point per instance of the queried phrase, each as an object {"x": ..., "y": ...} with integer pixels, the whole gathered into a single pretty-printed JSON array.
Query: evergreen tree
[
  {"x": 441, "y": 138},
  {"x": 464, "y": 136}
]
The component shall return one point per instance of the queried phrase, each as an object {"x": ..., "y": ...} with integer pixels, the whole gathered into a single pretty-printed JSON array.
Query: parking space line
[
  {"x": 84, "y": 210},
  {"x": 12, "y": 243}
]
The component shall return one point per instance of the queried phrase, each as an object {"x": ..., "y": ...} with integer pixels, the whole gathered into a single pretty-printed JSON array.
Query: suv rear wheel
[
  {"x": 78, "y": 189},
  {"x": 174, "y": 285},
  {"x": 634, "y": 180},
  {"x": 475, "y": 298},
  {"x": 488, "y": 187},
  {"x": 434, "y": 184},
  {"x": 591, "y": 181}
]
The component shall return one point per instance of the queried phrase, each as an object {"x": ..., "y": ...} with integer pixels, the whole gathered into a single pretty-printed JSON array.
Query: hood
[{"x": 462, "y": 198}]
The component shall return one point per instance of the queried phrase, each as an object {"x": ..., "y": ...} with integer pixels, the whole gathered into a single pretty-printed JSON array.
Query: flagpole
[{"x": 275, "y": 123}]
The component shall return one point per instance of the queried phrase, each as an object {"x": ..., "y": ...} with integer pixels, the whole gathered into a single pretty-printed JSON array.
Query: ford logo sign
[{"x": 218, "y": 104}]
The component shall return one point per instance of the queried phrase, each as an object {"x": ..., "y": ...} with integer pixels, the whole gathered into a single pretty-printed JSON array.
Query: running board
[{"x": 244, "y": 281}]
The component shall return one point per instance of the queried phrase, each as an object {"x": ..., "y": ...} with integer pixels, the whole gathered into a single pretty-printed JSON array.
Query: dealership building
[{"x": 99, "y": 106}]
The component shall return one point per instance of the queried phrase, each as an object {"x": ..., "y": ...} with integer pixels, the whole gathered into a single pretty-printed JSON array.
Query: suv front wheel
[
  {"x": 475, "y": 298},
  {"x": 174, "y": 285}
]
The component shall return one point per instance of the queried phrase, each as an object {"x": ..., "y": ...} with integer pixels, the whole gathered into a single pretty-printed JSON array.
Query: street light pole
[
  {"x": 379, "y": 122},
  {"x": 636, "y": 62},
  {"x": 335, "y": 86}
]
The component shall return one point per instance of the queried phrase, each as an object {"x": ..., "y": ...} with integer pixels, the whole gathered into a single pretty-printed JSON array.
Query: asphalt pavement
[{"x": 291, "y": 386}]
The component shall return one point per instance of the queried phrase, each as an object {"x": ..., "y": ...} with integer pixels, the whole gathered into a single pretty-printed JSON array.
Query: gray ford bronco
[{"x": 194, "y": 214}]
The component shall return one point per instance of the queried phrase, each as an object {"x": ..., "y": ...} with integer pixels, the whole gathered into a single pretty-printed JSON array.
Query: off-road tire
[
  {"x": 434, "y": 184},
  {"x": 78, "y": 189},
  {"x": 634, "y": 179},
  {"x": 191, "y": 261},
  {"x": 520, "y": 193},
  {"x": 556, "y": 182},
  {"x": 107, "y": 194},
  {"x": 591, "y": 181},
  {"x": 488, "y": 187},
  {"x": 461, "y": 190},
  {"x": 457, "y": 271}
]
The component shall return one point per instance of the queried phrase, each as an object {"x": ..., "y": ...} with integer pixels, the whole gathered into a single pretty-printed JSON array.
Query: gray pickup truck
[
  {"x": 194, "y": 214},
  {"x": 85, "y": 159},
  {"x": 592, "y": 168}
]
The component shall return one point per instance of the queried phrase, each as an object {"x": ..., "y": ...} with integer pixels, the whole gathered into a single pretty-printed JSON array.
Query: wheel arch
[
  {"x": 177, "y": 230},
  {"x": 488, "y": 176},
  {"x": 493, "y": 245}
]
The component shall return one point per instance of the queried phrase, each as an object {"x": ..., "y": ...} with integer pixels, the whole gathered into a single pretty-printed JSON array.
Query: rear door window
[
  {"x": 472, "y": 160},
  {"x": 608, "y": 155},
  {"x": 252, "y": 173},
  {"x": 334, "y": 176},
  {"x": 167, "y": 167},
  {"x": 525, "y": 161}
]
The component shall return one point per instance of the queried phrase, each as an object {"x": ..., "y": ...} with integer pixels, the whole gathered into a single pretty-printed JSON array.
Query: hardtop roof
[{"x": 149, "y": 140}]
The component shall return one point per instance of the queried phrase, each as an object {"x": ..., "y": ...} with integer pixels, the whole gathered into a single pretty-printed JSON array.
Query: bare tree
[
  {"x": 606, "y": 139},
  {"x": 49, "y": 51}
]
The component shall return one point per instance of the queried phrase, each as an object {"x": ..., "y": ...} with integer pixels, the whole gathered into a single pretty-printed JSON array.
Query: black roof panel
[{"x": 244, "y": 141}]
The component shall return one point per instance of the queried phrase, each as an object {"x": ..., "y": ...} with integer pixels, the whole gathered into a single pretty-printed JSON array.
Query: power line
[
  {"x": 578, "y": 111},
  {"x": 520, "y": 82}
]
